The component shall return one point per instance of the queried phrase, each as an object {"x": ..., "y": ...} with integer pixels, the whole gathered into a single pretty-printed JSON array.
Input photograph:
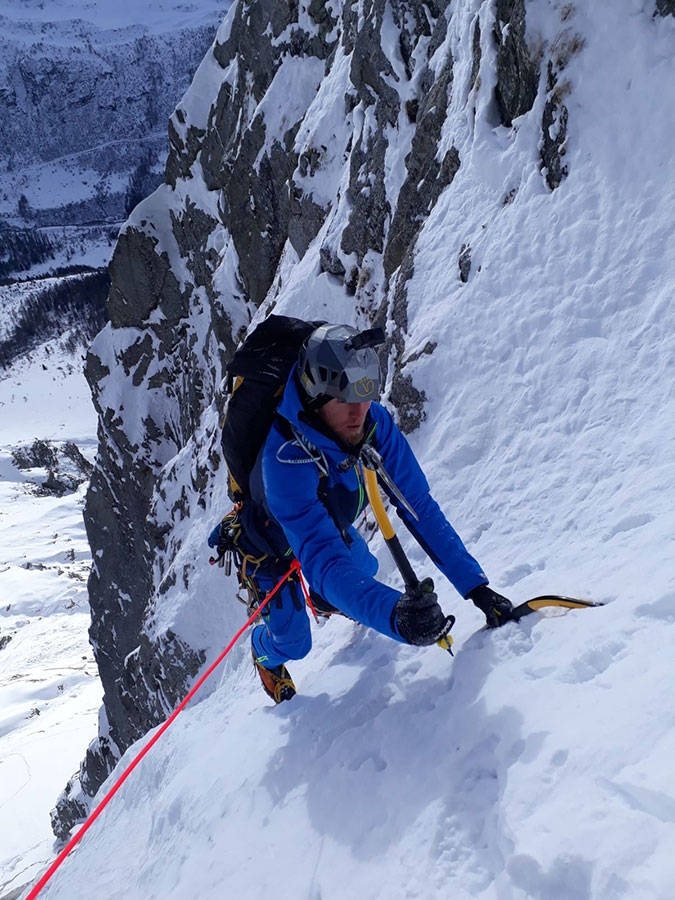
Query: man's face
[{"x": 347, "y": 420}]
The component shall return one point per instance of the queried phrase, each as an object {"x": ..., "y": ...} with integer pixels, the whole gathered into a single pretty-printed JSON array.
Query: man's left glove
[{"x": 496, "y": 609}]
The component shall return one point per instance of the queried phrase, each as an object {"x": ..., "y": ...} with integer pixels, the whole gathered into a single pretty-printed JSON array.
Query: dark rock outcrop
[
  {"x": 554, "y": 133},
  {"x": 516, "y": 73}
]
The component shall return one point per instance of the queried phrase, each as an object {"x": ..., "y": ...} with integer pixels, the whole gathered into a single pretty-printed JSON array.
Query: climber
[{"x": 306, "y": 491}]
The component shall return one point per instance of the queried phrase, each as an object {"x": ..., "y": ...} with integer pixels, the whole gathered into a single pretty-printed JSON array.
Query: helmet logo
[{"x": 364, "y": 387}]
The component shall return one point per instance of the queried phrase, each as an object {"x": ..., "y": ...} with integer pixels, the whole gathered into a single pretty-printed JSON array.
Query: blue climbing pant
[{"x": 285, "y": 633}]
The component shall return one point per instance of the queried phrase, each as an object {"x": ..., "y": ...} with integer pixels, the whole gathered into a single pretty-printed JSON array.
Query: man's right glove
[
  {"x": 220, "y": 538},
  {"x": 417, "y": 616},
  {"x": 496, "y": 609},
  {"x": 214, "y": 538}
]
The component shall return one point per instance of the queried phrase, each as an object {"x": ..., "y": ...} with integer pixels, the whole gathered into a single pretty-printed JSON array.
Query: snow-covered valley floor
[{"x": 49, "y": 687}]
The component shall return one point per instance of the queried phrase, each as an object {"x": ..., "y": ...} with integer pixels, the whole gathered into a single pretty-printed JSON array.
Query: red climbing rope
[{"x": 76, "y": 838}]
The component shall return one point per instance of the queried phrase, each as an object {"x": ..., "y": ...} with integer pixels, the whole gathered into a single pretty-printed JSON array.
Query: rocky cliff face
[
  {"x": 85, "y": 95},
  {"x": 306, "y": 162},
  {"x": 55, "y": 101}
]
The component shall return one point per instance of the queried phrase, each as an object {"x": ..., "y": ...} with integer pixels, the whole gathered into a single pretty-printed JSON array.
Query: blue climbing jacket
[{"x": 314, "y": 490}]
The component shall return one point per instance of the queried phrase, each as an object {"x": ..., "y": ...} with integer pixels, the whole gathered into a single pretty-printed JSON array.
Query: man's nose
[{"x": 358, "y": 411}]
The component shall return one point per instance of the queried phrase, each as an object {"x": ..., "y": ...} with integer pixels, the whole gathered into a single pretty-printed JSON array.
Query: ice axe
[
  {"x": 372, "y": 467},
  {"x": 551, "y": 600}
]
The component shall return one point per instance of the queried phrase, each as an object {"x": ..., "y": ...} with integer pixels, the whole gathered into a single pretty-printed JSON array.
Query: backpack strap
[{"x": 293, "y": 435}]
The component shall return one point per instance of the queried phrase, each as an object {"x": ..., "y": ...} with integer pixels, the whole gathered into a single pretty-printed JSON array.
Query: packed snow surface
[
  {"x": 537, "y": 764},
  {"x": 49, "y": 687}
]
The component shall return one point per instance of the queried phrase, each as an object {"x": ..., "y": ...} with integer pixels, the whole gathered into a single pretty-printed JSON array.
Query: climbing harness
[{"x": 231, "y": 550}]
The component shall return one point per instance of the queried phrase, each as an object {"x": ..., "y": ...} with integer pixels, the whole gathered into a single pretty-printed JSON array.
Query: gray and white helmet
[{"x": 338, "y": 361}]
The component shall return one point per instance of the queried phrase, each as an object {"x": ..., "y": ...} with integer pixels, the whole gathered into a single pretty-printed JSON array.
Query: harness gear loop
[
  {"x": 247, "y": 582},
  {"x": 246, "y": 564}
]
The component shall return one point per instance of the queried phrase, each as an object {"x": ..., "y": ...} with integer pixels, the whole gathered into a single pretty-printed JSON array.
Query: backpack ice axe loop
[{"x": 372, "y": 467}]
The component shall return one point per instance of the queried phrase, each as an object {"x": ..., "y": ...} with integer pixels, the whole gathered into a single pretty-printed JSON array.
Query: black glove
[
  {"x": 496, "y": 609},
  {"x": 214, "y": 537},
  {"x": 418, "y": 618},
  {"x": 220, "y": 538}
]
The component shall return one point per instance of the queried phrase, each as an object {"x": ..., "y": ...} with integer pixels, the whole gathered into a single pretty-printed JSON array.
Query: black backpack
[{"x": 257, "y": 375}]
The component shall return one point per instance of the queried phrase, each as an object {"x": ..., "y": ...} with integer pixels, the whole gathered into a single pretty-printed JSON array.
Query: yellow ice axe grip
[
  {"x": 446, "y": 642},
  {"x": 387, "y": 529},
  {"x": 376, "y": 503},
  {"x": 537, "y": 603},
  {"x": 401, "y": 560}
]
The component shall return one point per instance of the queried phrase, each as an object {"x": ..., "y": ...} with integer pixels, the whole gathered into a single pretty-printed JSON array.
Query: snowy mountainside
[
  {"x": 483, "y": 180},
  {"x": 85, "y": 93},
  {"x": 49, "y": 687}
]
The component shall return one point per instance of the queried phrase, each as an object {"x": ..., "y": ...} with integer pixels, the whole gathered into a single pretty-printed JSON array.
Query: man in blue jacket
[{"x": 308, "y": 490}]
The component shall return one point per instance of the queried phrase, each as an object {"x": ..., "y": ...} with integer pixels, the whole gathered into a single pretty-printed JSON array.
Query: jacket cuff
[{"x": 468, "y": 594}]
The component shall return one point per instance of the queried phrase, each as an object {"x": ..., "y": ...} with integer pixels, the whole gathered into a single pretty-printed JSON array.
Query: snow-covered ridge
[
  {"x": 33, "y": 18},
  {"x": 85, "y": 93}
]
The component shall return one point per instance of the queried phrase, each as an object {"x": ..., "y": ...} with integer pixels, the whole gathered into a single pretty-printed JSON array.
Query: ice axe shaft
[{"x": 410, "y": 579}]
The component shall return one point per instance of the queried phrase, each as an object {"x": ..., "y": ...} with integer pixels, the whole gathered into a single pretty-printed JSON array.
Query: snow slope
[
  {"x": 49, "y": 689},
  {"x": 536, "y": 764}
]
